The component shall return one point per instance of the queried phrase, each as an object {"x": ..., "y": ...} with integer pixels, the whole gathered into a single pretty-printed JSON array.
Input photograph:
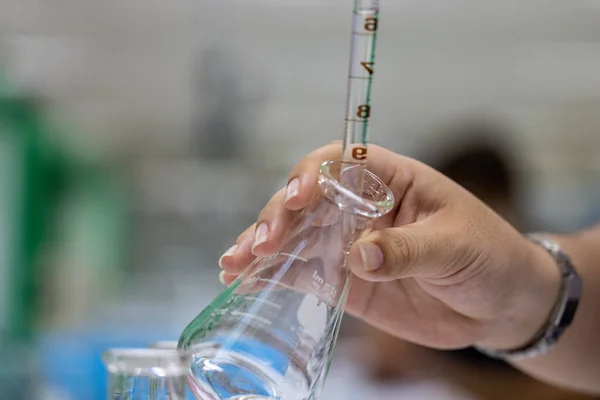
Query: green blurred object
[
  {"x": 31, "y": 180},
  {"x": 37, "y": 176},
  {"x": 89, "y": 252}
]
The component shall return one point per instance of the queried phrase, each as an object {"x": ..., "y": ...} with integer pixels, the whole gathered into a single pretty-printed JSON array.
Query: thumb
[{"x": 394, "y": 253}]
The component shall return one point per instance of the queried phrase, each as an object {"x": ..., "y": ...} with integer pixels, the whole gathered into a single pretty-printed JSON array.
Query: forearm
[{"x": 575, "y": 361}]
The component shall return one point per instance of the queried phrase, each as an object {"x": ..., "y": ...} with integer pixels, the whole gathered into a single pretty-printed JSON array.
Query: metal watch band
[{"x": 562, "y": 313}]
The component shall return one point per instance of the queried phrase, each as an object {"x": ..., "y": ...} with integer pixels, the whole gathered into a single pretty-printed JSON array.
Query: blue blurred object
[
  {"x": 70, "y": 361},
  {"x": 17, "y": 371}
]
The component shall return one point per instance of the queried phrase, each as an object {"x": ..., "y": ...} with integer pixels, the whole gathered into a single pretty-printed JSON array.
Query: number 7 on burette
[{"x": 360, "y": 78}]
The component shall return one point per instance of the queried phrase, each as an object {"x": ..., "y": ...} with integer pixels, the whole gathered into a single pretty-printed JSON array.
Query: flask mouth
[
  {"x": 339, "y": 181},
  {"x": 146, "y": 362}
]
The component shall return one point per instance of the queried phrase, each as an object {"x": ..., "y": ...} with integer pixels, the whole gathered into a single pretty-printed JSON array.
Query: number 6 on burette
[{"x": 360, "y": 78}]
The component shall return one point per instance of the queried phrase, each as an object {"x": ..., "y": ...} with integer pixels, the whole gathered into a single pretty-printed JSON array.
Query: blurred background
[{"x": 139, "y": 138}]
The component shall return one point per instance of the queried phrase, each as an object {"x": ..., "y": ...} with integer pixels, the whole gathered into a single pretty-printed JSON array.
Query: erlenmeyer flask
[{"x": 271, "y": 333}]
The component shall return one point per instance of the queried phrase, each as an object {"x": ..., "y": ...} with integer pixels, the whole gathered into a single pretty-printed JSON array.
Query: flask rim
[
  {"x": 375, "y": 200},
  {"x": 159, "y": 362}
]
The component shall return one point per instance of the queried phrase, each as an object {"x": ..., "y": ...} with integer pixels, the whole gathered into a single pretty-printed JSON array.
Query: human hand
[{"x": 441, "y": 270}]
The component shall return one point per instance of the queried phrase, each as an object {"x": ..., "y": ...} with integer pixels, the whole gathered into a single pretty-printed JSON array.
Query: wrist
[{"x": 535, "y": 294}]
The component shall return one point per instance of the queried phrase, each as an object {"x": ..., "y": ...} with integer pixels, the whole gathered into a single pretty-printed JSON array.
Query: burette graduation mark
[{"x": 360, "y": 77}]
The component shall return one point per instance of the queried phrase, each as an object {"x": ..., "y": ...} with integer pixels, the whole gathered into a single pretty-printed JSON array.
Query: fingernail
[
  {"x": 261, "y": 235},
  {"x": 222, "y": 278},
  {"x": 292, "y": 189},
  {"x": 228, "y": 253},
  {"x": 371, "y": 256}
]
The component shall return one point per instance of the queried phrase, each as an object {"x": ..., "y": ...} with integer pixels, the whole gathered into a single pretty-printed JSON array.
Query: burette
[
  {"x": 360, "y": 79},
  {"x": 358, "y": 101}
]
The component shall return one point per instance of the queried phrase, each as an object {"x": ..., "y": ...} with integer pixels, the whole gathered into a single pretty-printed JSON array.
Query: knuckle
[
  {"x": 326, "y": 152},
  {"x": 278, "y": 196},
  {"x": 465, "y": 251},
  {"x": 247, "y": 233},
  {"x": 303, "y": 166},
  {"x": 463, "y": 248},
  {"x": 403, "y": 249},
  {"x": 272, "y": 206},
  {"x": 314, "y": 159},
  {"x": 333, "y": 147}
]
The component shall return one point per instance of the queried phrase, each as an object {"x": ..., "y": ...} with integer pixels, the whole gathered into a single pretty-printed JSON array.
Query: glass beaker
[
  {"x": 146, "y": 374},
  {"x": 271, "y": 333},
  {"x": 163, "y": 344}
]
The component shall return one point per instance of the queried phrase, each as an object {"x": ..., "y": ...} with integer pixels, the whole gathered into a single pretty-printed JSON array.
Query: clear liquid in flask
[{"x": 271, "y": 334}]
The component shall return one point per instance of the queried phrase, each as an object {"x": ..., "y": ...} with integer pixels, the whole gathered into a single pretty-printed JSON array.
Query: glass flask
[
  {"x": 146, "y": 374},
  {"x": 271, "y": 333}
]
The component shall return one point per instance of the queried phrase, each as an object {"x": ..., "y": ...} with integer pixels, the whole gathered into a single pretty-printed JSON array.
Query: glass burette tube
[
  {"x": 365, "y": 25},
  {"x": 360, "y": 79}
]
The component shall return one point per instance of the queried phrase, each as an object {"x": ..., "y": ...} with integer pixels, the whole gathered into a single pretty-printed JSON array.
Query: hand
[{"x": 441, "y": 270}]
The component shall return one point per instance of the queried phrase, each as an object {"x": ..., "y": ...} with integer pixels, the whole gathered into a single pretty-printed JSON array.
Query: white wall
[{"x": 121, "y": 71}]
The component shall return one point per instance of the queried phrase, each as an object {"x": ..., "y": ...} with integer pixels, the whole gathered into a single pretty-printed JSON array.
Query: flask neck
[
  {"x": 326, "y": 214},
  {"x": 341, "y": 210}
]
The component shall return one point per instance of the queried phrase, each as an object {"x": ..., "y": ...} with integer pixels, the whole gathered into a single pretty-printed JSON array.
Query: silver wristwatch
[{"x": 562, "y": 313}]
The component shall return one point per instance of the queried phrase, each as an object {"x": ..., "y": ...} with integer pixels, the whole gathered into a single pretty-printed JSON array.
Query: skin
[{"x": 445, "y": 271}]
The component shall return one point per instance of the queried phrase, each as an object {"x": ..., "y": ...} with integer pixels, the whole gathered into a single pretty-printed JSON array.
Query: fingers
[
  {"x": 264, "y": 237},
  {"x": 303, "y": 179},
  {"x": 239, "y": 256},
  {"x": 397, "y": 253},
  {"x": 271, "y": 226},
  {"x": 227, "y": 279}
]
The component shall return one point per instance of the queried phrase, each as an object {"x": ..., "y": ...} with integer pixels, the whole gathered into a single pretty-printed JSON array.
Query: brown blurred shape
[{"x": 484, "y": 164}]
